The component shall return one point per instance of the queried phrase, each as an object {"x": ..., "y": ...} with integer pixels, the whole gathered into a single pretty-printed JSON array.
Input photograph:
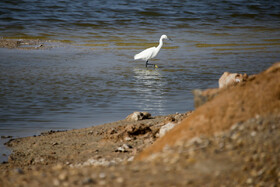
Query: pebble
[
  {"x": 19, "y": 171},
  {"x": 58, "y": 167},
  {"x": 88, "y": 180},
  {"x": 127, "y": 138},
  {"x": 136, "y": 116},
  {"x": 127, "y": 146},
  {"x": 120, "y": 149},
  {"x": 235, "y": 136},
  {"x": 167, "y": 127},
  {"x": 102, "y": 175},
  {"x": 130, "y": 159},
  {"x": 120, "y": 180},
  {"x": 249, "y": 181},
  {"x": 234, "y": 127},
  {"x": 62, "y": 176},
  {"x": 253, "y": 133},
  {"x": 123, "y": 148},
  {"x": 102, "y": 182},
  {"x": 56, "y": 182}
]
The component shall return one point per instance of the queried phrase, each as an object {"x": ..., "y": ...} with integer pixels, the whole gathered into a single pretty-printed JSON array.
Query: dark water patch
[
  {"x": 150, "y": 13},
  {"x": 275, "y": 15},
  {"x": 86, "y": 25},
  {"x": 186, "y": 19},
  {"x": 244, "y": 15}
]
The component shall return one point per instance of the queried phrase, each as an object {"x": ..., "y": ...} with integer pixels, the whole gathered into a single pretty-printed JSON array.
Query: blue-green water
[{"x": 89, "y": 77}]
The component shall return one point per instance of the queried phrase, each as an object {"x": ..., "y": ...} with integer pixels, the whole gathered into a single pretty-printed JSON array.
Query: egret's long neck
[{"x": 160, "y": 44}]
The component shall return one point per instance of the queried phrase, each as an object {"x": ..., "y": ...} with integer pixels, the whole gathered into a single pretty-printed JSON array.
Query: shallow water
[{"x": 89, "y": 76}]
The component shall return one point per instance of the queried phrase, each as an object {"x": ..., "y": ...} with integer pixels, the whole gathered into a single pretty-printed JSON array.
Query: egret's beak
[{"x": 170, "y": 39}]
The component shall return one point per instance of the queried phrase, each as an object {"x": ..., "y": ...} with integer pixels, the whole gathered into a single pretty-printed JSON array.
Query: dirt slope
[{"x": 260, "y": 95}]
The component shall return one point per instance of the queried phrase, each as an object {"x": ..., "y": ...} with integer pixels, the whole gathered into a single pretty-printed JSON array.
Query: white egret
[{"x": 151, "y": 52}]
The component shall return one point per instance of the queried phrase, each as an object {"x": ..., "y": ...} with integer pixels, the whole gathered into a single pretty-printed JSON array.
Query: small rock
[
  {"x": 88, "y": 181},
  {"x": 136, "y": 116},
  {"x": 55, "y": 143},
  {"x": 164, "y": 129},
  {"x": 127, "y": 146},
  {"x": 253, "y": 133},
  {"x": 58, "y": 167},
  {"x": 127, "y": 138},
  {"x": 120, "y": 180},
  {"x": 102, "y": 183},
  {"x": 62, "y": 176},
  {"x": 120, "y": 149},
  {"x": 56, "y": 182},
  {"x": 102, "y": 175},
  {"x": 235, "y": 126},
  {"x": 249, "y": 181},
  {"x": 130, "y": 159},
  {"x": 169, "y": 119},
  {"x": 177, "y": 117},
  {"x": 19, "y": 171},
  {"x": 235, "y": 136}
]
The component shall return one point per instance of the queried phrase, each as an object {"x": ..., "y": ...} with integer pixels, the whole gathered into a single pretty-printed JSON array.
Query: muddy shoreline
[{"x": 75, "y": 147}]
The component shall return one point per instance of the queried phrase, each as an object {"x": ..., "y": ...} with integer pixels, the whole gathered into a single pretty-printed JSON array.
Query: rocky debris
[
  {"x": 124, "y": 148},
  {"x": 165, "y": 128},
  {"x": 249, "y": 150},
  {"x": 130, "y": 132},
  {"x": 170, "y": 122},
  {"x": 98, "y": 162},
  {"x": 229, "y": 79},
  {"x": 136, "y": 116},
  {"x": 55, "y": 143},
  {"x": 88, "y": 181},
  {"x": 51, "y": 132}
]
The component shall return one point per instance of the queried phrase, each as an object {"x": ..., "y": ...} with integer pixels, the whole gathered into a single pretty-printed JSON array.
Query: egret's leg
[{"x": 147, "y": 63}]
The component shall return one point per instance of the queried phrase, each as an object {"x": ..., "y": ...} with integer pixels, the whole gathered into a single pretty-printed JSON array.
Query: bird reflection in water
[{"x": 150, "y": 86}]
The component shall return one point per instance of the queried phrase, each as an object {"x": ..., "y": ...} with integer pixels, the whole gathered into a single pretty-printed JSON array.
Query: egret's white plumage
[{"x": 151, "y": 52}]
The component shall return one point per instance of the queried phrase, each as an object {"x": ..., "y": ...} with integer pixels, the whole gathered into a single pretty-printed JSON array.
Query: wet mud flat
[
  {"x": 241, "y": 147},
  {"x": 23, "y": 44}
]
